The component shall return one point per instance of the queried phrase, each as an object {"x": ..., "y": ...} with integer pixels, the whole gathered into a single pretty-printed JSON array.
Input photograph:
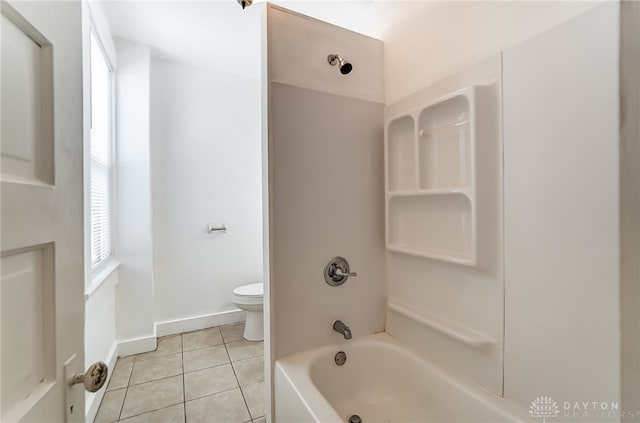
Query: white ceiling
[{"x": 219, "y": 35}]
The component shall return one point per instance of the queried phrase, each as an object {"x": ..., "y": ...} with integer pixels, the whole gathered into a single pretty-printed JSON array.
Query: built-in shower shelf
[
  {"x": 430, "y": 180},
  {"x": 459, "y": 333},
  {"x": 412, "y": 250},
  {"x": 426, "y": 192}
]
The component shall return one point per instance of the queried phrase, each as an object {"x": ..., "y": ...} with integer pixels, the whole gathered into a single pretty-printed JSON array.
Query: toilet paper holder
[{"x": 212, "y": 229}]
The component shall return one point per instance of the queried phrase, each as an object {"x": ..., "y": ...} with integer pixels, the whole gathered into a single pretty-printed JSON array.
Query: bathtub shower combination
[
  {"x": 380, "y": 381},
  {"x": 432, "y": 207}
]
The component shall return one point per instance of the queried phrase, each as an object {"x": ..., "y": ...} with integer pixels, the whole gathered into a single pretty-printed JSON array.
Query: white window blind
[{"x": 101, "y": 147}]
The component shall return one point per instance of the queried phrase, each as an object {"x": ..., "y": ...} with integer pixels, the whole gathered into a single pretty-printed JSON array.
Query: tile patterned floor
[{"x": 211, "y": 375}]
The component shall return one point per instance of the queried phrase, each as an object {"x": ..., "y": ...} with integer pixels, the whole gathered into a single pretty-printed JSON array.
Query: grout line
[
  {"x": 126, "y": 387},
  {"x": 168, "y": 354},
  {"x": 208, "y": 367},
  {"x": 211, "y": 395},
  {"x": 238, "y": 382},
  {"x": 145, "y": 357},
  {"x": 184, "y": 386},
  {"x": 154, "y": 380},
  {"x": 250, "y": 358},
  {"x": 151, "y": 411},
  {"x": 203, "y": 347}
]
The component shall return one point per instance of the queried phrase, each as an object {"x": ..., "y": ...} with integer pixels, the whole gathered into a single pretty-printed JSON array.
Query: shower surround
[{"x": 529, "y": 136}]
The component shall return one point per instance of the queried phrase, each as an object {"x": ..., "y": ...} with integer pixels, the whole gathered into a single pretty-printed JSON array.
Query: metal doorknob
[{"x": 94, "y": 378}]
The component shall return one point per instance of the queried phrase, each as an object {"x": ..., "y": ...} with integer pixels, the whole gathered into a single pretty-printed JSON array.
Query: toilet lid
[{"x": 251, "y": 290}]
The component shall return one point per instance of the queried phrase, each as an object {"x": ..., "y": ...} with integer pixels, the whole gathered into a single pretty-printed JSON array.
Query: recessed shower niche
[
  {"x": 444, "y": 144},
  {"x": 430, "y": 172},
  {"x": 401, "y": 154}
]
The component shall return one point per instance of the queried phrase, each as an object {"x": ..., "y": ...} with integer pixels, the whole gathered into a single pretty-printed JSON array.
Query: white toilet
[{"x": 250, "y": 299}]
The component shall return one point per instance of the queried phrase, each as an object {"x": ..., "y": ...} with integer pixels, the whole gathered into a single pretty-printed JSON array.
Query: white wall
[
  {"x": 134, "y": 304},
  {"x": 450, "y": 36},
  {"x": 562, "y": 239},
  {"x": 100, "y": 324},
  {"x": 206, "y": 168},
  {"x": 326, "y": 182}
]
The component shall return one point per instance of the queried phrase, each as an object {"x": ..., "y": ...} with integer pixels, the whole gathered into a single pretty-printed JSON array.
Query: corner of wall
[{"x": 134, "y": 304}]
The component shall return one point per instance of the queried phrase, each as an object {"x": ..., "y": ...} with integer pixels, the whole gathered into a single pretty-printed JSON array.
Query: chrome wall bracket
[
  {"x": 337, "y": 271},
  {"x": 211, "y": 229}
]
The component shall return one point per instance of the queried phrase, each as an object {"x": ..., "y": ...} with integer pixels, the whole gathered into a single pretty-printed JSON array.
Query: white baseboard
[
  {"x": 92, "y": 401},
  {"x": 137, "y": 345},
  {"x": 173, "y": 327}
]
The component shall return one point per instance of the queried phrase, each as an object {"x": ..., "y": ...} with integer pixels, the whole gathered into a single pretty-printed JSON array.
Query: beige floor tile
[
  {"x": 254, "y": 395},
  {"x": 232, "y": 333},
  {"x": 110, "y": 406},
  {"x": 241, "y": 350},
  {"x": 205, "y": 357},
  {"x": 121, "y": 373},
  {"x": 225, "y": 407},
  {"x": 260, "y": 420},
  {"x": 153, "y": 396},
  {"x": 156, "y": 368},
  {"x": 201, "y": 338},
  {"x": 167, "y": 345},
  {"x": 249, "y": 371},
  {"x": 209, "y": 381},
  {"x": 173, "y": 414}
]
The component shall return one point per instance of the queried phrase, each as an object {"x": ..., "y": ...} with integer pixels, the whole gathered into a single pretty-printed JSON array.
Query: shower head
[
  {"x": 245, "y": 3},
  {"x": 344, "y": 66}
]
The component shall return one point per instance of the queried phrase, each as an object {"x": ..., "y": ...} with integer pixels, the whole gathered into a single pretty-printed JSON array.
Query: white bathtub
[{"x": 382, "y": 381}]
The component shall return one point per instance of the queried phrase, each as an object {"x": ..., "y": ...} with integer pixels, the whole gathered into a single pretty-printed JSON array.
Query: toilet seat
[
  {"x": 251, "y": 294},
  {"x": 251, "y": 290}
]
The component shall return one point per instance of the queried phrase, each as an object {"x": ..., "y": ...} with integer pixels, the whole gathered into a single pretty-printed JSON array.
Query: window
[{"x": 101, "y": 152}]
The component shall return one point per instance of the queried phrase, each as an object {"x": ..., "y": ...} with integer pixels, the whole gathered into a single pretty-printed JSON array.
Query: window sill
[{"x": 101, "y": 276}]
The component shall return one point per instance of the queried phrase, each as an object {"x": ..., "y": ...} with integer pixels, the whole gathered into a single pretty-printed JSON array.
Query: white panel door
[{"x": 41, "y": 289}]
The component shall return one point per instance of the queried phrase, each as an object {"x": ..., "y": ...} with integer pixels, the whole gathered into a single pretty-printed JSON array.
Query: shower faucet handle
[{"x": 337, "y": 271}]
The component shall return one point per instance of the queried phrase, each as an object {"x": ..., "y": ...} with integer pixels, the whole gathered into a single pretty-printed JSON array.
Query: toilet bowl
[{"x": 250, "y": 299}]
